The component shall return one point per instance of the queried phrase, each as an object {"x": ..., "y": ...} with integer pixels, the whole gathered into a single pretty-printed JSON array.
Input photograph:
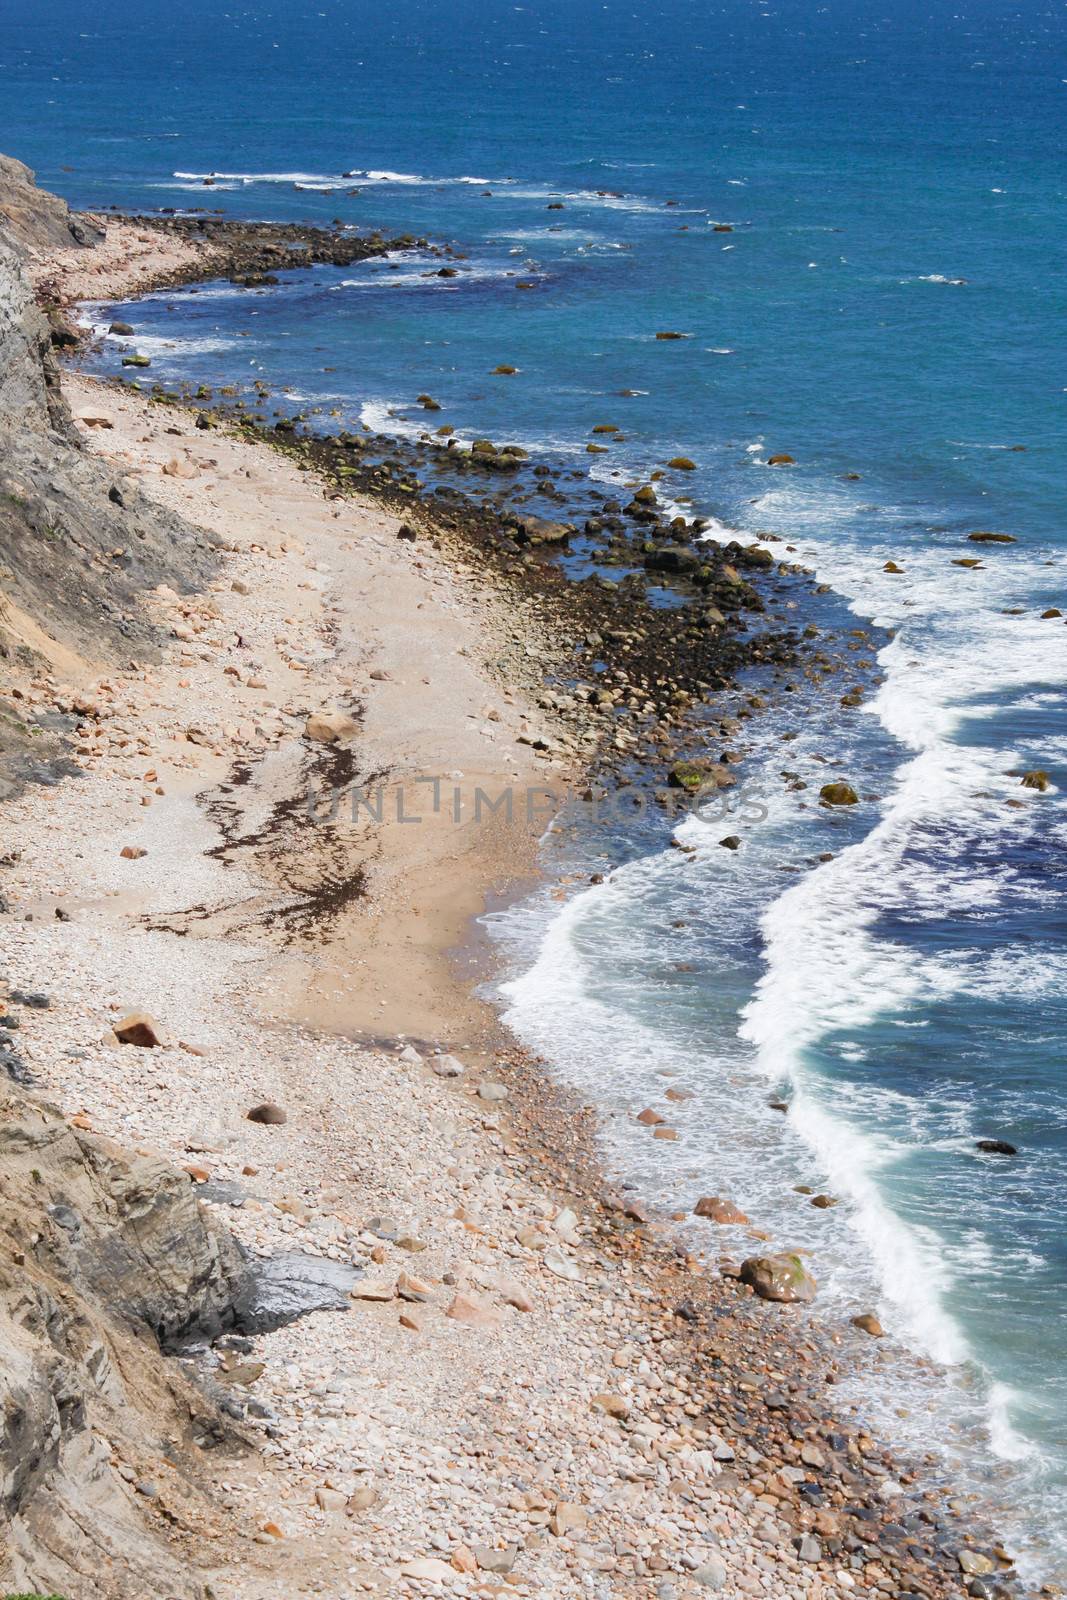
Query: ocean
[{"x": 855, "y": 214}]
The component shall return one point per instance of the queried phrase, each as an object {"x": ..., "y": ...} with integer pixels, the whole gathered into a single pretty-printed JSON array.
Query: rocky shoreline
[{"x": 594, "y": 1410}]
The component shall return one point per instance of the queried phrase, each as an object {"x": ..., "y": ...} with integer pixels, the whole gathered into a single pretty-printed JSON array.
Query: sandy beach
[{"x": 534, "y": 1391}]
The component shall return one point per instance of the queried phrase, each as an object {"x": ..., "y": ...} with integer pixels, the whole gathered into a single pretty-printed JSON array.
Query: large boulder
[
  {"x": 839, "y": 794},
  {"x": 782, "y": 1277},
  {"x": 673, "y": 558}
]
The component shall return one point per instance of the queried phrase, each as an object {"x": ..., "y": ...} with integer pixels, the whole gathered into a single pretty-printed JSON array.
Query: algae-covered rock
[
  {"x": 782, "y": 1278},
  {"x": 839, "y": 794}
]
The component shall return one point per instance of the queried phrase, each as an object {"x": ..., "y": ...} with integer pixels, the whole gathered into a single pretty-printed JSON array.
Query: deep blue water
[{"x": 909, "y": 995}]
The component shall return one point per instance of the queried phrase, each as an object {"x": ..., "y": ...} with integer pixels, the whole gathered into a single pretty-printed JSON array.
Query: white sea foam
[{"x": 409, "y": 271}]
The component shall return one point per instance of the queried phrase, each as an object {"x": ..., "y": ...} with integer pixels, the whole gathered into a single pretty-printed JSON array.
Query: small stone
[
  {"x": 447, "y": 1067},
  {"x": 809, "y": 1548},
  {"x": 711, "y": 1574},
  {"x": 1035, "y": 780},
  {"x": 361, "y": 1499},
  {"x": 475, "y": 1313},
  {"x": 650, "y": 1118},
  {"x": 138, "y": 1028},
  {"x": 562, "y": 1266},
  {"x": 867, "y": 1322},
  {"x": 492, "y": 1091},
  {"x": 430, "y": 1569},
  {"x": 490, "y": 1560},
  {"x": 613, "y": 1405},
  {"x": 329, "y": 727},
  {"x": 567, "y": 1518},
  {"x": 271, "y": 1115},
  {"x": 330, "y": 1499},
  {"x": 513, "y": 1294},
  {"x": 132, "y": 852},
  {"x": 974, "y": 1564},
  {"x": 378, "y": 1292},
  {"x": 409, "y": 1287}
]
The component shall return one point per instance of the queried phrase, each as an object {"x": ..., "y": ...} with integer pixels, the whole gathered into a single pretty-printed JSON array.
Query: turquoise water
[{"x": 889, "y": 304}]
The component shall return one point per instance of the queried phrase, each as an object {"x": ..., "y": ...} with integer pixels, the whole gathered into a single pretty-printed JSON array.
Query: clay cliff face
[{"x": 104, "y": 1259}]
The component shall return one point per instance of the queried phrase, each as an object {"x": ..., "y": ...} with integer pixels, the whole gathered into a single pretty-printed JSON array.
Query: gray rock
[
  {"x": 809, "y": 1548},
  {"x": 711, "y": 1574},
  {"x": 286, "y": 1286},
  {"x": 490, "y": 1560}
]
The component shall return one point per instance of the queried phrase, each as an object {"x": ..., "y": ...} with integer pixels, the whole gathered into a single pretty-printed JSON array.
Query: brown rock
[
  {"x": 650, "y": 1118},
  {"x": 567, "y": 1518},
  {"x": 270, "y": 1115},
  {"x": 330, "y": 1499},
  {"x": 329, "y": 727},
  {"x": 613, "y": 1404},
  {"x": 132, "y": 852},
  {"x": 1035, "y": 780},
  {"x": 719, "y": 1210},
  {"x": 475, "y": 1313},
  {"x": 781, "y": 460},
  {"x": 138, "y": 1028},
  {"x": 378, "y": 1292},
  {"x": 409, "y": 1287},
  {"x": 867, "y": 1322}
]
